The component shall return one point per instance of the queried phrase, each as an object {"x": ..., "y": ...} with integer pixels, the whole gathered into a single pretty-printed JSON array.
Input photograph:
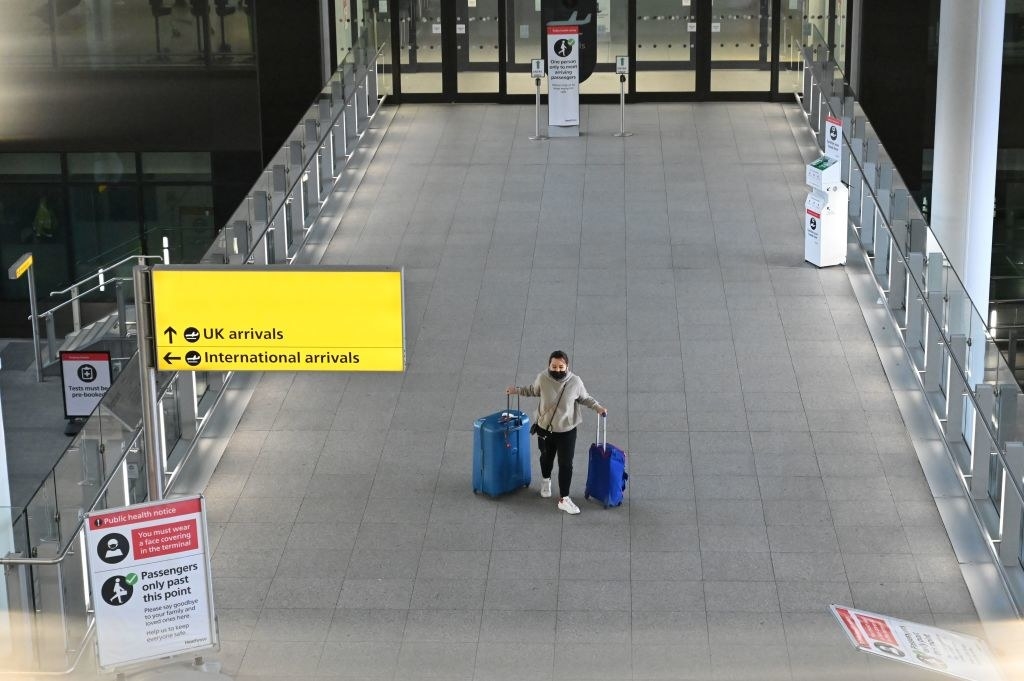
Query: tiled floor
[{"x": 771, "y": 472}]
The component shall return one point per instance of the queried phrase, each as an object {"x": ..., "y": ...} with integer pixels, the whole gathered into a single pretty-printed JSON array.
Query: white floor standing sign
[
  {"x": 149, "y": 575},
  {"x": 86, "y": 379},
  {"x": 964, "y": 657},
  {"x": 563, "y": 80}
]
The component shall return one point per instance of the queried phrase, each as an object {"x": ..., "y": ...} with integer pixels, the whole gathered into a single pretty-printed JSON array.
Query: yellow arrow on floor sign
[{"x": 214, "y": 318}]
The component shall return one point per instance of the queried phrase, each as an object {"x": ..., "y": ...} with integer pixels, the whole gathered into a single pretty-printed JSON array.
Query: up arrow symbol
[{"x": 170, "y": 331}]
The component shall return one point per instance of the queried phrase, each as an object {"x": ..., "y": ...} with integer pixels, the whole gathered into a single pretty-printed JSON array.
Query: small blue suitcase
[
  {"x": 606, "y": 472},
  {"x": 501, "y": 452}
]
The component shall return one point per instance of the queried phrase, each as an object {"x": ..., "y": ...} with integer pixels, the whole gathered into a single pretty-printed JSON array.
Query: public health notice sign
[
  {"x": 149, "y": 577},
  {"x": 958, "y": 655},
  {"x": 563, "y": 75},
  {"x": 86, "y": 379}
]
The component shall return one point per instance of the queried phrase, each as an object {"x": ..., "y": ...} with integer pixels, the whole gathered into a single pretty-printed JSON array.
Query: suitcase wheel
[{"x": 586, "y": 495}]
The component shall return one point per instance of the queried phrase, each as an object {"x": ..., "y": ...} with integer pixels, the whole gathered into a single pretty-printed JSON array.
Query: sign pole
[
  {"x": 622, "y": 68},
  {"x": 153, "y": 439},
  {"x": 22, "y": 266},
  {"x": 537, "y": 70}
]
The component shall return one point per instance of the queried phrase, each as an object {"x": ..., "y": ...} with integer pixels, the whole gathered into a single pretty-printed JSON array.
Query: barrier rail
[{"x": 971, "y": 390}]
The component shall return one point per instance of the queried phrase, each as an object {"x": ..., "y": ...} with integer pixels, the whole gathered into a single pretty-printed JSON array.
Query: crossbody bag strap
[{"x": 558, "y": 402}]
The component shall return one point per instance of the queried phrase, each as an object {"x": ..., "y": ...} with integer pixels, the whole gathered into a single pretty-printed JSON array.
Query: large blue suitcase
[
  {"x": 606, "y": 471},
  {"x": 501, "y": 452}
]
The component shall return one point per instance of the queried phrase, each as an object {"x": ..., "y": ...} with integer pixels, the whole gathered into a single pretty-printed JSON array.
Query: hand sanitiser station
[{"x": 826, "y": 208}]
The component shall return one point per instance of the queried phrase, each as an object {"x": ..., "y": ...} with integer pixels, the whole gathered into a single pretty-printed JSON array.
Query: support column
[
  {"x": 966, "y": 141},
  {"x": 966, "y": 138}
]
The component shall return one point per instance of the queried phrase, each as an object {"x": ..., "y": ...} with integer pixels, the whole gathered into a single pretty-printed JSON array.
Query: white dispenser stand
[{"x": 825, "y": 214}]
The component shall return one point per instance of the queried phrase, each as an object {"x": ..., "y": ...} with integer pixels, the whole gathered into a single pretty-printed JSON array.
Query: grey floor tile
[
  {"x": 733, "y": 538},
  {"x": 450, "y": 626},
  {"x": 275, "y": 658},
  {"x": 604, "y": 595},
  {"x": 367, "y": 625},
  {"x": 736, "y": 566},
  {"x": 293, "y": 624},
  {"x": 518, "y": 626},
  {"x": 592, "y": 626},
  {"x": 741, "y": 596},
  {"x": 419, "y": 660},
  {"x": 593, "y": 661},
  {"x": 521, "y": 594},
  {"x": 514, "y": 660}
]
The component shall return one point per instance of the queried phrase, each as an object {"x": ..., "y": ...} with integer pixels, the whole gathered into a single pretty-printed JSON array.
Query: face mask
[{"x": 557, "y": 375}]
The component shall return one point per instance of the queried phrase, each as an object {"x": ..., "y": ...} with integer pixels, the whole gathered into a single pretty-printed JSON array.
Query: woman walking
[{"x": 559, "y": 413}]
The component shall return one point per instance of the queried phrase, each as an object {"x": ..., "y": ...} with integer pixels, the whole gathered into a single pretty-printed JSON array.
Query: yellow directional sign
[{"x": 212, "y": 318}]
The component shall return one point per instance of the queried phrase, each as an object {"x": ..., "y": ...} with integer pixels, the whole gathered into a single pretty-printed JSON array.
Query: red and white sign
[
  {"x": 958, "y": 655},
  {"x": 563, "y": 75},
  {"x": 149, "y": 577},
  {"x": 834, "y": 138},
  {"x": 86, "y": 379}
]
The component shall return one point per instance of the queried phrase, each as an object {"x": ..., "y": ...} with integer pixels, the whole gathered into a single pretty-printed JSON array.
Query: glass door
[
  {"x": 419, "y": 43},
  {"x": 449, "y": 47},
  {"x": 666, "y": 50},
  {"x": 703, "y": 46},
  {"x": 741, "y": 45},
  {"x": 477, "y": 53}
]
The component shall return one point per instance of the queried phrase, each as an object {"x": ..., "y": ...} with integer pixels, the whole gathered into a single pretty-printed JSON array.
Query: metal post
[
  {"x": 76, "y": 309},
  {"x": 33, "y": 307},
  {"x": 147, "y": 375},
  {"x": 622, "y": 108},
  {"x": 536, "y": 127}
]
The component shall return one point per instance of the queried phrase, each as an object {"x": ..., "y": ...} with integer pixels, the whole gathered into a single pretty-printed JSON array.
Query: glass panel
[
  {"x": 231, "y": 31},
  {"x": 104, "y": 224},
  {"x": 32, "y": 218},
  {"x": 741, "y": 45},
  {"x": 524, "y": 44},
  {"x": 183, "y": 214},
  {"x": 172, "y": 423},
  {"x": 25, "y": 36},
  {"x": 344, "y": 25},
  {"x": 611, "y": 40},
  {"x": 420, "y": 34},
  {"x": 665, "y": 51},
  {"x": 103, "y": 167},
  {"x": 477, "y": 45},
  {"x": 176, "y": 166},
  {"x": 35, "y": 166},
  {"x": 791, "y": 67}
]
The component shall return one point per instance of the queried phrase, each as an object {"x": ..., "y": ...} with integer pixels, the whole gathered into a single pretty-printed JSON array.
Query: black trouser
[{"x": 564, "y": 445}]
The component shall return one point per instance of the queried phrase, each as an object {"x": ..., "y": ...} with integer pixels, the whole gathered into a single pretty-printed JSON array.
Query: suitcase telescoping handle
[{"x": 602, "y": 431}]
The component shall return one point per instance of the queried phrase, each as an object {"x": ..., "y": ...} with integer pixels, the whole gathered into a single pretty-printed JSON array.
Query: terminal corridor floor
[{"x": 771, "y": 473}]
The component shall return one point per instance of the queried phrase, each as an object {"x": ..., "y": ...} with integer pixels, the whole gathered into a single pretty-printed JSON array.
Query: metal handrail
[
  {"x": 104, "y": 269},
  {"x": 881, "y": 214},
  {"x": 324, "y": 134},
  {"x": 70, "y": 301}
]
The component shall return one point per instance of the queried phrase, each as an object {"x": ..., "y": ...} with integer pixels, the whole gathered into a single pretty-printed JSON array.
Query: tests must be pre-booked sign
[
  {"x": 86, "y": 379},
  {"x": 149, "y": 578}
]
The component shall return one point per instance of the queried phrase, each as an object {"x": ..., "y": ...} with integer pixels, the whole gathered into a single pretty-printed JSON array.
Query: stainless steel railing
[{"x": 971, "y": 390}]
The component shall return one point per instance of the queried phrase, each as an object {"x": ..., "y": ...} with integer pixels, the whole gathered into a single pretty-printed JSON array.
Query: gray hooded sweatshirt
[{"x": 568, "y": 414}]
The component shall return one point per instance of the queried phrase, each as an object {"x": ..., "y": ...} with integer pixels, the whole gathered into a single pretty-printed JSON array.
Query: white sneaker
[
  {"x": 565, "y": 504},
  {"x": 545, "y": 487}
]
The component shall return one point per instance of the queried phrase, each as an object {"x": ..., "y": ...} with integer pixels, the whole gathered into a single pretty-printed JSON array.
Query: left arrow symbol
[
  {"x": 169, "y": 357},
  {"x": 170, "y": 331}
]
